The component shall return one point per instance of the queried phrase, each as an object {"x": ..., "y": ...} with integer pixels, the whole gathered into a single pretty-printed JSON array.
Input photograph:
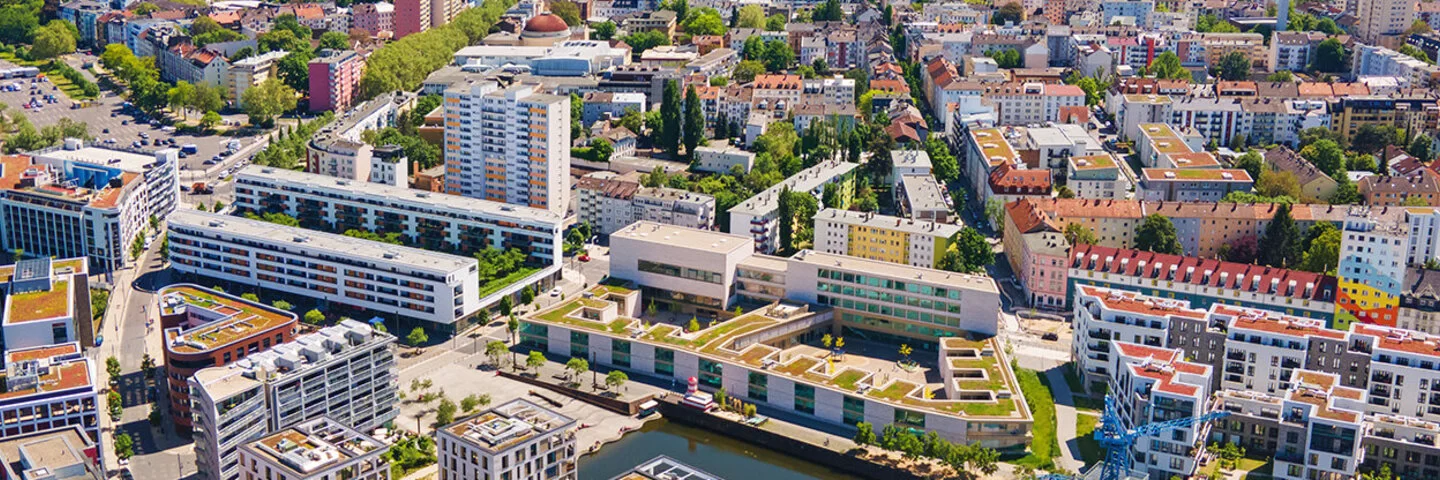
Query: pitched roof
[
  {"x": 1206, "y": 272},
  {"x": 1286, "y": 160}
]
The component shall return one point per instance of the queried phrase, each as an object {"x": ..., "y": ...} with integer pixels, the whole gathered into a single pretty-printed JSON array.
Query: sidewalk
[{"x": 1064, "y": 420}]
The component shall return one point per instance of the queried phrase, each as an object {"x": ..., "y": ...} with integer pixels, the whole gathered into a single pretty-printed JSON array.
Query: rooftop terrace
[
  {"x": 66, "y": 370},
  {"x": 39, "y": 304},
  {"x": 228, "y": 318},
  {"x": 744, "y": 339},
  {"x": 508, "y": 425}
]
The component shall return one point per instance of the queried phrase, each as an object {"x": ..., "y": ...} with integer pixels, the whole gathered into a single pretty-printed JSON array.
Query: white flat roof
[
  {"x": 886, "y": 222},
  {"x": 311, "y": 239},
  {"x": 898, "y": 271},
  {"x": 690, "y": 238},
  {"x": 128, "y": 161},
  {"x": 805, "y": 181},
  {"x": 400, "y": 194}
]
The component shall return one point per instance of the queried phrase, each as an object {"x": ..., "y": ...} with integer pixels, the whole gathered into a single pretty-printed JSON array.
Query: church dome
[{"x": 547, "y": 23}]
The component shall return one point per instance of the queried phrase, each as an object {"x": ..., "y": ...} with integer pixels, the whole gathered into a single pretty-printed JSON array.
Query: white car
[{"x": 555, "y": 292}]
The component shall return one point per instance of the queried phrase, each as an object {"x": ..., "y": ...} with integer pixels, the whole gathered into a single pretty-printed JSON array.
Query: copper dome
[{"x": 547, "y": 23}]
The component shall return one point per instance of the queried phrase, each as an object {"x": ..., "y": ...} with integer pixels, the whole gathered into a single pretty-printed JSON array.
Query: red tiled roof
[
  {"x": 1120, "y": 261},
  {"x": 1133, "y": 302},
  {"x": 1007, "y": 179}
]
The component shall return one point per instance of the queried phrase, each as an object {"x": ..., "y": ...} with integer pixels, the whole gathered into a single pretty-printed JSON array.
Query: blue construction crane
[{"x": 1117, "y": 441}]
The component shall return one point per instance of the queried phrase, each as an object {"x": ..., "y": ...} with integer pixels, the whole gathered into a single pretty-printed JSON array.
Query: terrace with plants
[
  {"x": 40, "y": 304},
  {"x": 759, "y": 339},
  {"x": 229, "y": 318}
]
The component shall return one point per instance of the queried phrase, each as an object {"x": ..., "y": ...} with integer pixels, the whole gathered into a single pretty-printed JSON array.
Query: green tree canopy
[
  {"x": 1280, "y": 247},
  {"x": 1157, "y": 234}
]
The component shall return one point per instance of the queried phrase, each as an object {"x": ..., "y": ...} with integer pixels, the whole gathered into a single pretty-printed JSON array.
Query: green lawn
[
  {"x": 499, "y": 283},
  {"x": 1255, "y": 467},
  {"x": 1043, "y": 446},
  {"x": 848, "y": 379},
  {"x": 1090, "y": 450}
]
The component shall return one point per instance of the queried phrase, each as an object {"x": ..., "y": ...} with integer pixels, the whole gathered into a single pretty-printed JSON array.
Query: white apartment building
[
  {"x": 1139, "y": 10},
  {"x": 345, "y": 373},
  {"x": 509, "y": 145},
  {"x": 1373, "y": 255},
  {"x": 339, "y": 151},
  {"x": 1263, "y": 349},
  {"x": 1032, "y": 103},
  {"x": 251, "y": 71},
  {"x": 881, "y": 237},
  {"x": 610, "y": 202},
  {"x": 907, "y": 162},
  {"x": 1370, "y": 60},
  {"x": 1156, "y": 385},
  {"x": 723, "y": 158},
  {"x": 368, "y": 276},
  {"x": 32, "y": 290},
  {"x": 50, "y": 388},
  {"x": 1294, "y": 50},
  {"x": 759, "y": 214},
  {"x": 320, "y": 449},
  {"x": 1192, "y": 184},
  {"x": 517, "y": 440},
  {"x": 78, "y": 201},
  {"x": 426, "y": 220},
  {"x": 1132, "y": 112},
  {"x": 1424, "y": 238},
  {"x": 1403, "y": 370},
  {"x": 1104, "y": 316},
  {"x": 835, "y": 91},
  {"x": 1217, "y": 119},
  {"x": 1383, "y": 22},
  {"x": 1096, "y": 176}
]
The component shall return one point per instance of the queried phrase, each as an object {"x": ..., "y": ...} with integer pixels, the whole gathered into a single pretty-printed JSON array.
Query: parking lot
[{"x": 108, "y": 119}]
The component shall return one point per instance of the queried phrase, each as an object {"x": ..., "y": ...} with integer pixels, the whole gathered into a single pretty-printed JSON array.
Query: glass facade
[
  {"x": 579, "y": 344},
  {"x": 758, "y": 387},
  {"x": 854, "y": 410},
  {"x": 879, "y": 324},
  {"x": 804, "y": 399},
  {"x": 535, "y": 336},
  {"x": 681, "y": 272},
  {"x": 906, "y": 418},
  {"x": 620, "y": 353},
  {"x": 913, "y": 302},
  {"x": 665, "y": 362},
  {"x": 710, "y": 373}
]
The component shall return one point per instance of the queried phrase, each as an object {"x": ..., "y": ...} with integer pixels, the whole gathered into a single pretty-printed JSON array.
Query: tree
[
  {"x": 946, "y": 167},
  {"x": 645, "y": 40},
  {"x": 1417, "y": 26},
  {"x": 747, "y": 70},
  {"x": 52, "y": 40},
  {"x": 210, "y": 119},
  {"x": 181, "y": 96},
  {"x": 864, "y": 434},
  {"x": 1415, "y": 53},
  {"x": 1009, "y": 13},
  {"x": 567, "y": 11},
  {"x": 495, "y": 350},
  {"x": 17, "y": 23},
  {"x": 694, "y": 134},
  {"x": 705, "y": 21},
  {"x": 1077, "y": 234},
  {"x": 112, "y": 368},
  {"x": 1322, "y": 248},
  {"x": 314, "y": 317},
  {"x": 1006, "y": 57},
  {"x": 507, "y": 305},
  {"x": 1278, "y": 184},
  {"x": 775, "y": 23},
  {"x": 1280, "y": 246},
  {"x": 828, "y": 11},
  {"x": 472, "y": 401},
  {"x": 417, "y": 337},
  {"x": 124, "y": 446},
  {"x": 1283, "y": 76},
  {"x": 968, "y": 252},
  {"x": 778, "y": 56},
  {"x": 577, "y": 366},
  {"x": 1157, "y": 234},
  {"x": 1167, "y": 66},
  {"x": 693, "y": 326},
  {"x": 905, "y": 351},
  {"x": 268, "y": 99},
  {"x": 751, "y": 16},
  {"x": 445, "y": 413},
  {"x": 1329, "y": 56},
  {"x": 1235, "y": 66},
  {"x": 1420, "y": 147},
  {"x": 603, "y": 31},
  {"x": 294, "y": 70},
  {"x": 535, "y": 359},
  {"x": 1371, "y": 138},
  {"x": 616, "y": 379},
  {"x": 115, "y": 405},
  {"x": 335, "y": 41},
  {"x": 1346, "y": 193},
  {"x": 1242, "y": 250},
  {"x": 1252, "y": 163},
  {"x": 671, "y": 121},
  {"x": 1327, "y": 156},
  {"x": 1213, "y": 24},
  {"x": 282, "y": 305}
]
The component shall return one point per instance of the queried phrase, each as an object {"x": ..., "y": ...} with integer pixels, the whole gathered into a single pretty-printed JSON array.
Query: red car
[{"x": 584, "y": 258}]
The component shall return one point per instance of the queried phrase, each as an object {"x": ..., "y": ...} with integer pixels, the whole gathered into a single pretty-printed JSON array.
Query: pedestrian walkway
[{"x": 1065, "y": 419}]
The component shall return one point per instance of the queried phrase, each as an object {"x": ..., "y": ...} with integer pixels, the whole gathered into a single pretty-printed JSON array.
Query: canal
[{"x": 720, "y": 455}]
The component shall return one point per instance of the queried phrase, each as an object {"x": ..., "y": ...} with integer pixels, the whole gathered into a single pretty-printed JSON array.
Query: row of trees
[
  {"x": 287, "y": 145},
  {"x": 403, "y": 64},
  {"x": 968, "y": 460}
]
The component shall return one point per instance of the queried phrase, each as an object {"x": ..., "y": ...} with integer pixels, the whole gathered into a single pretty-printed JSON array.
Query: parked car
[{"x": 1050, "y": 336}]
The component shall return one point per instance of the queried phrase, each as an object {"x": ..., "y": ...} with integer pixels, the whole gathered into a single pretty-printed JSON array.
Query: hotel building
[
  {"x": 360, "y": 276},
  {"x": 509, "y": 145},
  {"x": 344, "y": 373},
  {"x": 432, "y": 221},
  {"x": 518, "y": 440},
  {"x": 47, "y": 389},
  {"x": 320, "y": 449},
  {"x": 759, "y": 215},
  {"x": 79, "y": 201},
  {"x": 206, "y": 328},
  {"x": 880, "y": 237}
]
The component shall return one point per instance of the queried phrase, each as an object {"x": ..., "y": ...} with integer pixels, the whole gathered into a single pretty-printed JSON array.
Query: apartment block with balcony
[
  {"x": 1373, "y": 255},
  {"x": 354, "y": 276},
  {"x": 1104, "y": 316},
  {"x": 919, "y": 243},
  {"x": 508, "y": 144},
  {"x": 335, "y": 79},
  {"x": 518, "y": 440},
  {"x": 610, "y": 202},
  {"x": 759, "y": 215},
  {"x": 344, "y": 373},
  {"x": 1313, "y": 429},
  {"x": 1154, "y": 385},
  {"x": 50, "y": 388},
  {"x": 321, "y": 449}
]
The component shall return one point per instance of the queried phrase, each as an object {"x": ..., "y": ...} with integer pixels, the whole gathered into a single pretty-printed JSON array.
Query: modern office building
[
  {"x": 335, "y": 79},
  {"x": 344, "y": 373},
  {"x": 81, "y": 201},
  {"x": 364, "y": 277},
  {"x": 50, "y": 388},
  {"x": 919, "y": 243},
  {"x": 508, "y": 144},
  {"x": 683, "y": 268},
  {"x": 759, "y": 215},
  {"x": 60, "y": 454},
  {"x": 320, "y": 449},
  {"x": 446, "y": 223},
  {"x": 205, "y": 328},
  {"x": 609, "y": 202},
  {"x": 47, "y": 302},
  {"x": 518, "y": 440}
]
